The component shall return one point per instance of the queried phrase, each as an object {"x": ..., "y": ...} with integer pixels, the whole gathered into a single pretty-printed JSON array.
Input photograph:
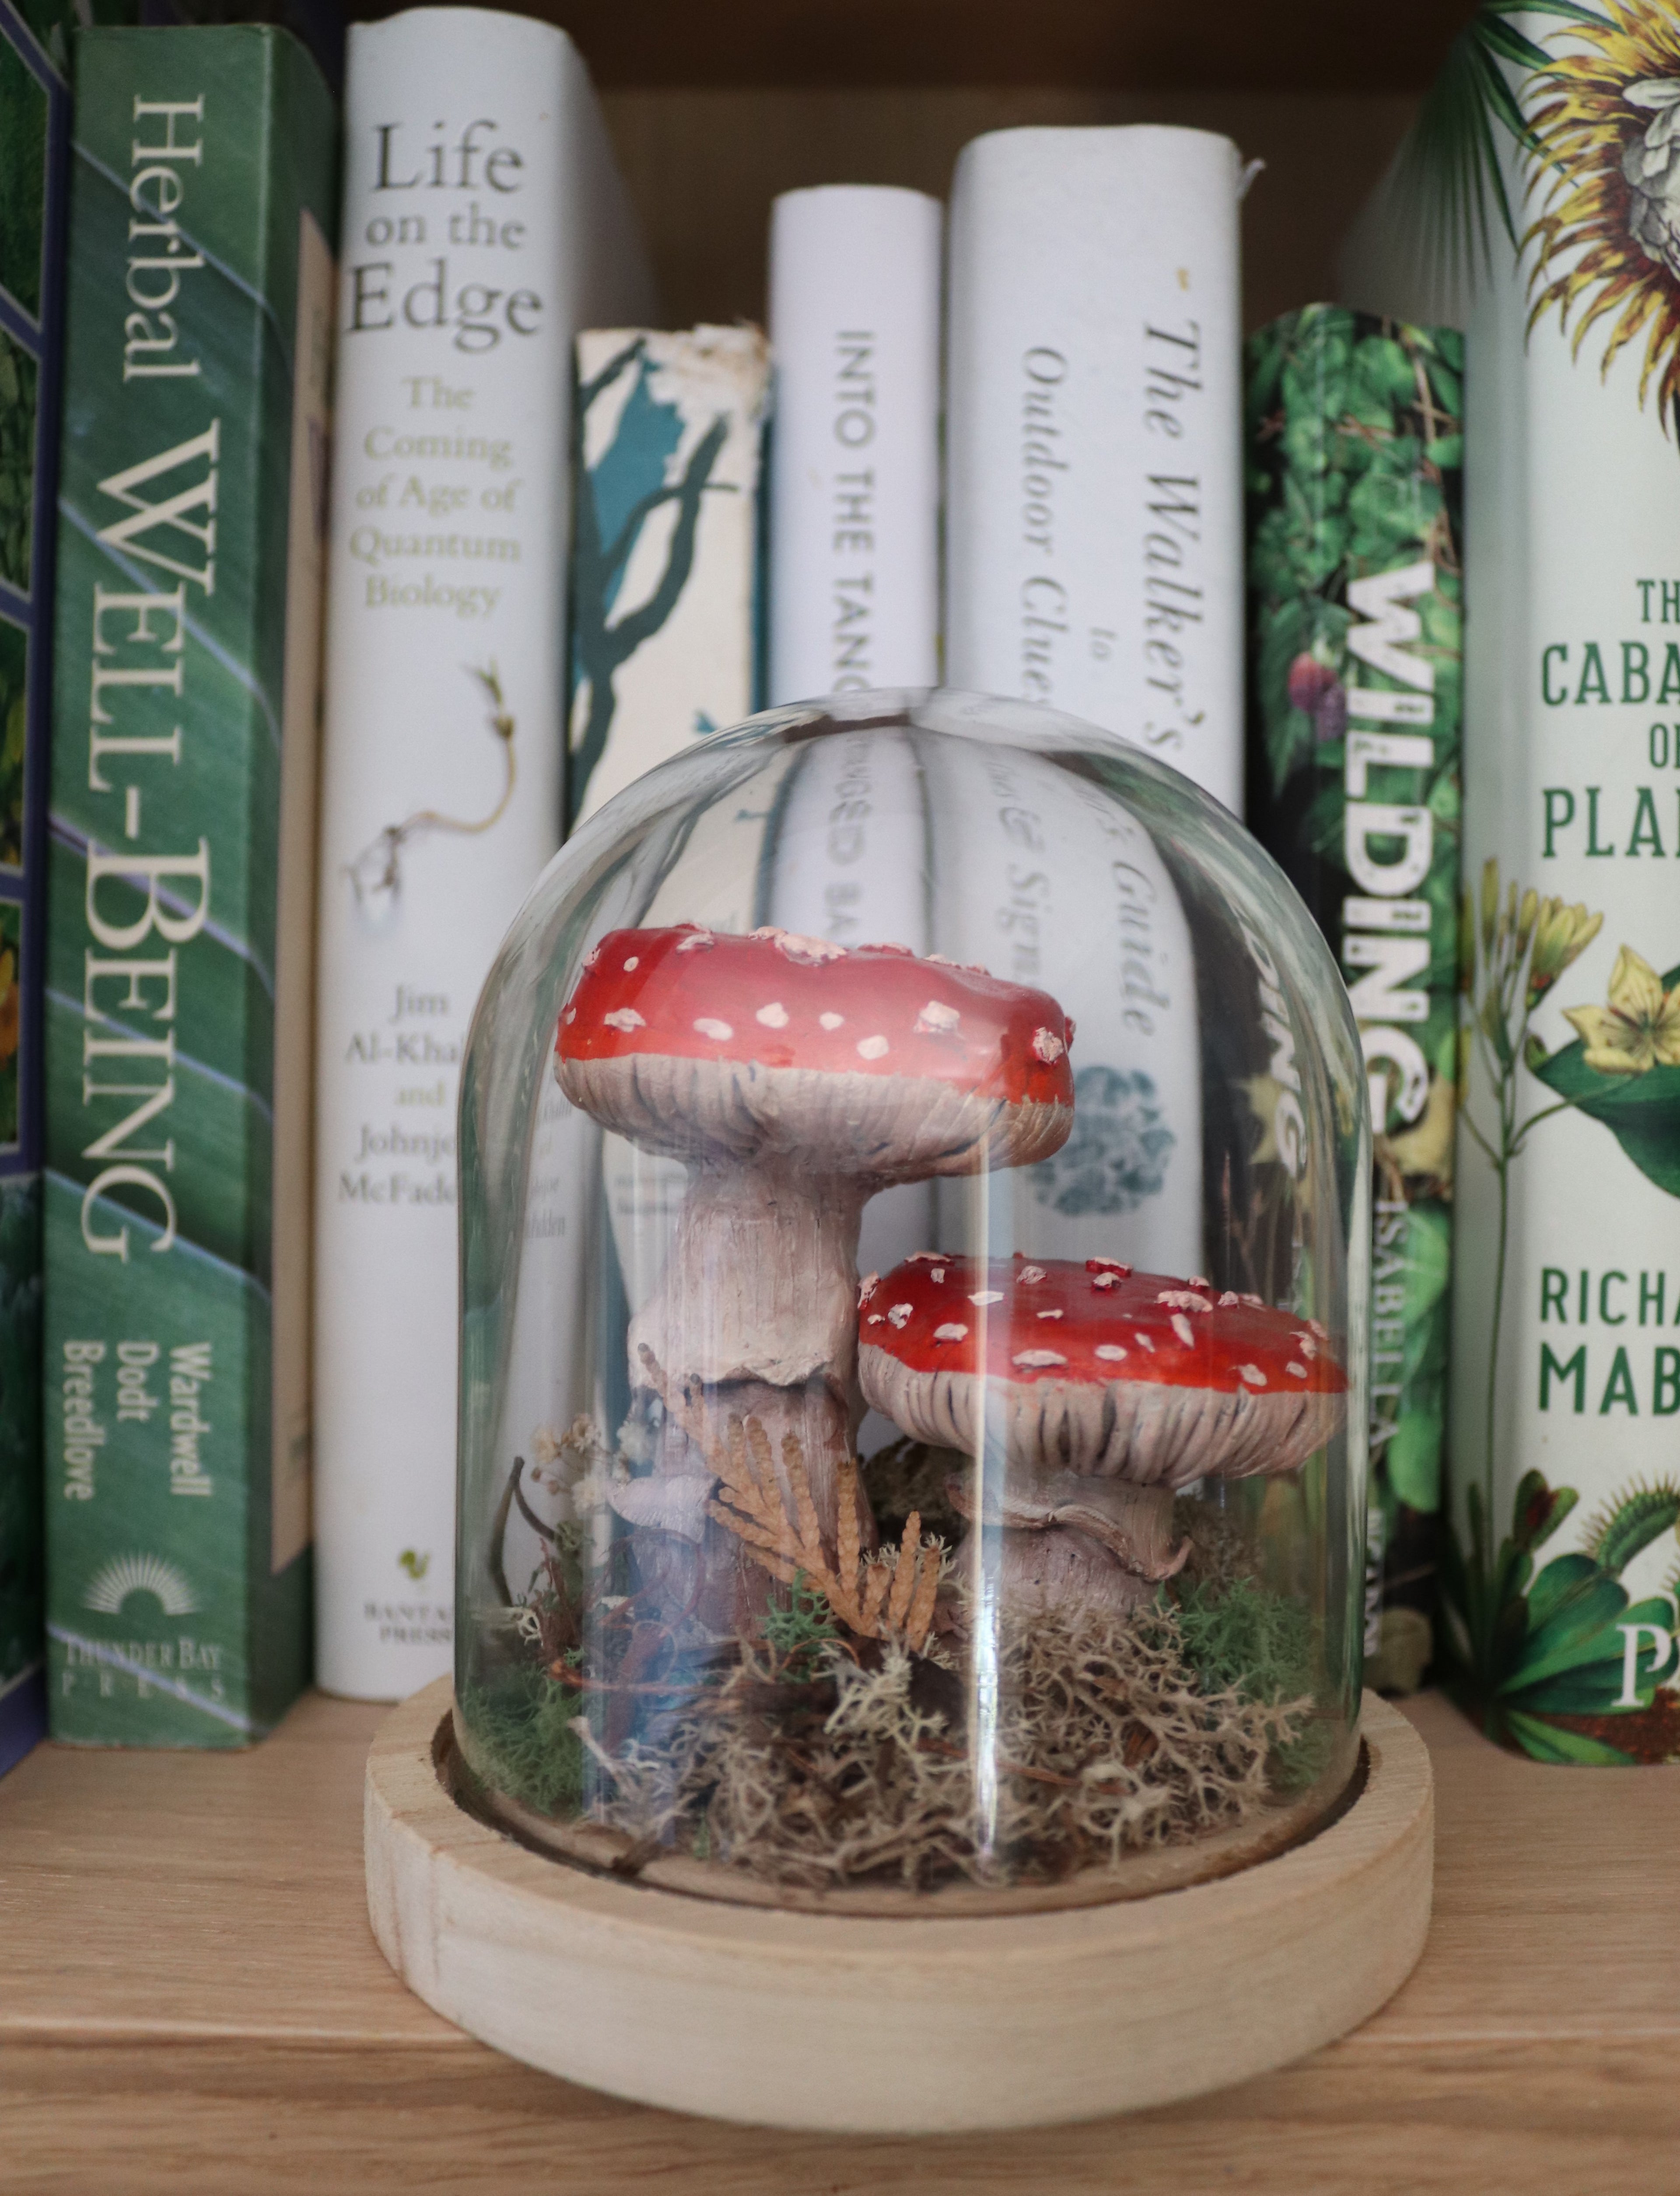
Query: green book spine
[
  {"x": 1354, "y": 456},
  {"x": 179, "y": 877}
]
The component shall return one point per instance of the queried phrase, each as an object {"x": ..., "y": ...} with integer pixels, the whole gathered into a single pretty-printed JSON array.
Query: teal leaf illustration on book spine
[{"x": 617, "y": 498}]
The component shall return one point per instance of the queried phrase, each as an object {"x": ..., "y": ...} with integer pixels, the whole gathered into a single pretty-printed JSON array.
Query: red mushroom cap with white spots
[
  {"x": 866, "y": 1060},
  {"x": 1098, "y": 1370}
]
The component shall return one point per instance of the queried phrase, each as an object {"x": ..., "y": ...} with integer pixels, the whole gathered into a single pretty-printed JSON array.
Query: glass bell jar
[{"x": 915, "y": 1163}]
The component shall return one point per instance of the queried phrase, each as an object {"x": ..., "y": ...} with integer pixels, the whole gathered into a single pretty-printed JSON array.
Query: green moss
[
  {"x": 1244, "y": 1639},
  {"x": 526, "y": 1746},
  {"x": 800, "y": 1632}
]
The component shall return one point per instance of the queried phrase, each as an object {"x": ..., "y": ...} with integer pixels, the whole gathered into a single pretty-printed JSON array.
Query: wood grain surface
[
  {"x": 1314, "y": 44},
  {"x": 191, "y": 2000},
  {"x": 702, "y": 166},
  {"x": 925, "y": 2020}
]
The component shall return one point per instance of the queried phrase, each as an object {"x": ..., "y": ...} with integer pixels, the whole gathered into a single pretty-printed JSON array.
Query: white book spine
[
  {"x": 1094, "y": 508},
  {"x": 854, "y": 308},
  {"x": 484, "y": 222},
  {"x": 1027, "y": 840}
]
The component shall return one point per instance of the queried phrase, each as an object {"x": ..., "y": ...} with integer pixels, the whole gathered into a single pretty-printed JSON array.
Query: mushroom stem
[
  {"x": 762, "y": 1280},
  {"x": 1069, "y": 1537},
  {"x": 755, "y": 1317}
]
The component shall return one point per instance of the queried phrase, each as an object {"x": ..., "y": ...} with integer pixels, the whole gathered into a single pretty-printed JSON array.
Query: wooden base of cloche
[{"x": 906, "y": 2025}]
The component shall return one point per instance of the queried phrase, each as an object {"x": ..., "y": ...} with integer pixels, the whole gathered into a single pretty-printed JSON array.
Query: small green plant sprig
[
  {"x": 800, "y": 1633},
  {"x": 1512, "y": 949}
]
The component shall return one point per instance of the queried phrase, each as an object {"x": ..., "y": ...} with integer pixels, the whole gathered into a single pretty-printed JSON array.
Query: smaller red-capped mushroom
[{"x": 1108, "y": 1390}]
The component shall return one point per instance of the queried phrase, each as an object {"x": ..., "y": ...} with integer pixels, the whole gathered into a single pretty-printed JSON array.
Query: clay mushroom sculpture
[
  {"x": 795, "y": 1077},
  {"x": 1107, "y": 1390}
]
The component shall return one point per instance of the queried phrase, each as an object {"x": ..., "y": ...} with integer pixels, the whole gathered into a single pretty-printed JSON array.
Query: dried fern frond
[{"x": 780, "y": 1530}]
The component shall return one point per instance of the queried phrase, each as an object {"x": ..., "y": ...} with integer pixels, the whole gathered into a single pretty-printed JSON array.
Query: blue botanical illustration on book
[
  {"x": 1116, "y": 1157},
  {"x": 618, "y": 496}
]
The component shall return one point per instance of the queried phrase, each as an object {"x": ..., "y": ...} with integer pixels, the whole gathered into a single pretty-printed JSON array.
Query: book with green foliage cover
[
  {"x": 180, "y": 881},
  {"x": 1354, "y": 457}
]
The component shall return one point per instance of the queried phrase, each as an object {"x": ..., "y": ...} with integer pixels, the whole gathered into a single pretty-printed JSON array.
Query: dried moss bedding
[{"x": 806, "y": 1765}]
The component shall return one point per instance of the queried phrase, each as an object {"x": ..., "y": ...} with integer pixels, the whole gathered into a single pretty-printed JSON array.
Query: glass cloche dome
[{"x": 915, "y": 1155}]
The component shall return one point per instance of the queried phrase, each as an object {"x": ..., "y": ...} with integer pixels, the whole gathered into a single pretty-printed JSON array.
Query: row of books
[{"x": 1015, "y": 446}]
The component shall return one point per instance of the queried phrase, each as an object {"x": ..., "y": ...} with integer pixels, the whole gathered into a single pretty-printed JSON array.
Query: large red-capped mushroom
[
  {"x": 795, "y": 1078},
  {"x": 1108, "y": 1390}
]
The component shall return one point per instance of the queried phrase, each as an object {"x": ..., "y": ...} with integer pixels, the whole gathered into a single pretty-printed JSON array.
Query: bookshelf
[
  {"x": 190, "y": 1999},
  {"x": 1317, "y": 45},
  {"x": 193, "y": 2003},
  {"x": 704, "y": 163},
  {"x": 717, "y": 105}
]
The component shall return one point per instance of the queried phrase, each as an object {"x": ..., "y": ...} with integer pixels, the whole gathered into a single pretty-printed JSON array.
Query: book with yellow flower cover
[{"x": 1539, "y": 200}]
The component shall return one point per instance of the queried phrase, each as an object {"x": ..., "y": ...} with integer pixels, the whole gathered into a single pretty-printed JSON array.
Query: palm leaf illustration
[{"x": 1445, "y": 190}]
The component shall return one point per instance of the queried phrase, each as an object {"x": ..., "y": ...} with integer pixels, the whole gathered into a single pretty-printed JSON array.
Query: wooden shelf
[
  {"x": 191, "y": 2001},
  {"x": 1311, "y": 45},
  {"x": 702, "y": 166}
]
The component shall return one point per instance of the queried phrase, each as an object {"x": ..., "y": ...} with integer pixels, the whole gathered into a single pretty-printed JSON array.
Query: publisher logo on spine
[{"x": 117, "y": 1582}]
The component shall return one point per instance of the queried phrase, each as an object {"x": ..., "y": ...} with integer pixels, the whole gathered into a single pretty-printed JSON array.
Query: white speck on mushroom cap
[
  {"x": 592, "y": 958},
  {"x": 1049, "y": 1315},
  {"x": 569, "y": 1015},
  {"x": 986, "y": 1296},
  {"x": 1298, "y": 1372},
  {"x": 876, "y": 1320},
  {"x": 937, "y": 1020},
  {"x": 774, "y": 1016},
  {"x": 708, "y": 1025},
  {"x": 1322, "y": 1333},
  {"x": 1111, "y": 1350},
  {"x": 698, "y": 941},
  {"x": 936, "y": 1273},
  {"x": 1185, "y": 1299},
  {"x": 1200, "y": 1281},
  {"x": 953, "y": 1330},
  {"x": 1105, "y": 1281},
  {"x": 1304, "y": 1342},
  {"x": 806, "y": 952},
  {"x": 1252, "y": 1376},
  {"x": 1183, "y": 1329},
  {"x": 830, "y": 1021},
  {"x": 1143, "y": 1342},
  {"x": 1047, "y": 1047},
  {"x": 632, "y": 964},
  {"x": 866, "y": 1288},
  {"x": 928, "y": 1258},
  {"x": 1030, "y": 1273},
  {"x": 900, "y": 1314},
  {"x": 1228, "y": 1299},
  {"x": 1032, "y": 1361},
  {"x": 1254, "y": 1304},
  {"x": 872, "y": 1047},
  {"x": 624, "y": 1017}
]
